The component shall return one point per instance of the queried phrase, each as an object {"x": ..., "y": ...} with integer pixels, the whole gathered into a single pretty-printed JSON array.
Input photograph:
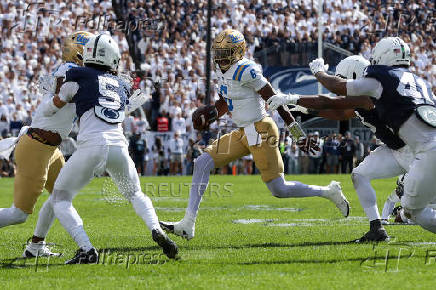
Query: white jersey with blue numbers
[
  {"x": 100, "y": 104},
  {"x": 239, "y": 86},
  {"x": 62, "y": 121}
]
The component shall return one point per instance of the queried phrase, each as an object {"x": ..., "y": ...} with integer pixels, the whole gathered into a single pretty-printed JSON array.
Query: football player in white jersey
[
  {"x": 101, "y": 98},
  {"x": 388, "y": 160},
  {"x": 405, "y": 103},
  {"x": 37, "y": 157},
  {"x": 243, "y": 91}
]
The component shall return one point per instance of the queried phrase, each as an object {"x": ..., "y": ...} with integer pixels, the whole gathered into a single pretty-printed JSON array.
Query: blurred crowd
[{"x": 171, "y": 47}]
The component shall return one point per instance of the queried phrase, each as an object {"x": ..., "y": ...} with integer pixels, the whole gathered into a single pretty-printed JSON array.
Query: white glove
[
  {"x": 136, "y": 100},
  {"x": 67, "y": 91},
  {"x": 318, "y": 65},
  {"x": 46, "y": 84},
  {"x": 300, "y": 109},
  {"x": 282, "y": 99}
]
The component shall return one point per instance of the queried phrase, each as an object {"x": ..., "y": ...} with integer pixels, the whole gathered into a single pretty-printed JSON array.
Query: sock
[
  {"x": 366, "y": 195},
  {"x": 200, "y": 180},
  {"x": 45, "y": 219},
  {"x": 73, "y": 224},
  {"x": 12, "y": 216},
  {"x": 285, "y": 189},
  {"x": 144, "y": 208}
]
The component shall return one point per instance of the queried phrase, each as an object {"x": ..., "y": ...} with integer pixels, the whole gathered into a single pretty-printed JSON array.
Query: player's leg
[
  {"x": 419, "y": 191},
  {"x": 222, "y": 151},
  {"x": 76, "y": 173},
  {"x": 270, "y": 164},
  {"x": 379, "y": 164},
  {"x": 46, "y": 217},
  {"x": 122, "y": 170},
  {"x": 32, "y": 160}
]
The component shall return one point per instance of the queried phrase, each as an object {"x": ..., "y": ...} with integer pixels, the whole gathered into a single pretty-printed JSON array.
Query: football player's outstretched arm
[
  {"x": 65, "y": 95},
  {"x": 267, "y": 92}
]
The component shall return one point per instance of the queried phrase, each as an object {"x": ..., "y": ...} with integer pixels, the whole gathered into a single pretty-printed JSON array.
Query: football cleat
[
  {"x": 335, "y": 195},
  {"x": 39, "y": 249},
  {"x": 168, "y": 246},
  {"x": 182, "y": 228},
  {"x": 374, "y": 235},
  {"x": 83, "y": 257}
]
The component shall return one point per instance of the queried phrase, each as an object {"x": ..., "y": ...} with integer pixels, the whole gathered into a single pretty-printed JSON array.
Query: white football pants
[
  {"x": 79, "y": 171},
  {"x": 380, "y": 163}
]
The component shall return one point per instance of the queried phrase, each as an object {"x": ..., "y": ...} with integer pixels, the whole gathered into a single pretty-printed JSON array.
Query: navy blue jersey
[
  {"x": 106, "y": 93},
  {"x": 402, "y": 93},
  {"x": 382, "y": 132}
]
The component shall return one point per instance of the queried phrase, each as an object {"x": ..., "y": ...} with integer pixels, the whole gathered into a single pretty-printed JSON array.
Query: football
[{"x": 203, "y": 116}]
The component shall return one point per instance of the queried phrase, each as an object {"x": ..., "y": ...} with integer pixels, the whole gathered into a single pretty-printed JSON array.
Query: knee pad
[
  {"x": 356, "y": 177},
  {"x": 204, "y": 162},
  {"x": 18, "y": 215},
  {"x": 277, "y": 188},
  {"x": 61, "y": 195}
]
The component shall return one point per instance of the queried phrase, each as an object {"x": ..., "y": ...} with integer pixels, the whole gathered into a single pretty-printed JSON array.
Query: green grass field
[{"x": 245, "y": 238}]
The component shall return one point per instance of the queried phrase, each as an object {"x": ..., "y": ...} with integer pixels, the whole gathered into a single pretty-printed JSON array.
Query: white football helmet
[
  {"x": 102, "y": 50},
  {"x": 351, "y": 67},
  {"x": 391, "y": 51}
]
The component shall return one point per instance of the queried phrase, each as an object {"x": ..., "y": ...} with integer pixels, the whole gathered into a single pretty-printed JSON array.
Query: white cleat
[
  {"x": 183, "y": 228},
  {"x": 334, "y": 194},
  {"x": 39, "y": 249}
]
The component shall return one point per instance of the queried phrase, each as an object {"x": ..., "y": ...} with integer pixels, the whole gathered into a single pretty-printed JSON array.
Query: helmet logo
[
  {"x": 235, "y": 38},
  {"x": 81, "y": 39}
]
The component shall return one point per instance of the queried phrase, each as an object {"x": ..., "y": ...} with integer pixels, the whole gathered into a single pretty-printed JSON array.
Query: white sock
[
  {"x": 144, "y": 208},
  {"x": 279, "y": 187},
  {"x": 200, "y": 180},
  {"x": 45, "y": 219},
  {"x": 12, "y": 216},
  {"x": 372, "y": 213},
  {"x": 73, "y": 224}
]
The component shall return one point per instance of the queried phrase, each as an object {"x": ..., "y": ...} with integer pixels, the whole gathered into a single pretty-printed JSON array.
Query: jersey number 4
[{"x": 415, "y": 88}]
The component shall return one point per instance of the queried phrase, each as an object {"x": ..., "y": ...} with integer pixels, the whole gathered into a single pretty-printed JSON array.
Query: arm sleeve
[
  {"x": 364, "y": 87},
  {"x": 252, "y": 77}
]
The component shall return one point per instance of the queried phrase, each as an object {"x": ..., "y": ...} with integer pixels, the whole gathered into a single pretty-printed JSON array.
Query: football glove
[
  {"x": 46, "y": 84},
  {"x": 318, "y": 65},
  {"x": 136, "y": 100},
  {"x": 281, "y": 100}
]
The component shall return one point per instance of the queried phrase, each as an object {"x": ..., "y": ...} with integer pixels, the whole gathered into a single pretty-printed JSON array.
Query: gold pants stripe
[
  {"x": 266, "y": 156},
  {"x": 37, "y": 167}
]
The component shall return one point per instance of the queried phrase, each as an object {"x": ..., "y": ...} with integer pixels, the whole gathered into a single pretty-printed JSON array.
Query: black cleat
[
  {"x": 374, "y": 235},
  {"x": 168, "y": 246},
  {"x": 82, "y": 257},
  {"x": 168, "y": 227}
]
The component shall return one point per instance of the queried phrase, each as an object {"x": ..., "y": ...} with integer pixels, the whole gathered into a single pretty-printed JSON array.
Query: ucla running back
[
  {"x": 243, "y": 91},
  {"x": 101, "y": 97}
]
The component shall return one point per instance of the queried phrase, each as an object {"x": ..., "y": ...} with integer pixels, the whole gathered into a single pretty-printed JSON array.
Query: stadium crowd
[{"x": 172, "y": 55}]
